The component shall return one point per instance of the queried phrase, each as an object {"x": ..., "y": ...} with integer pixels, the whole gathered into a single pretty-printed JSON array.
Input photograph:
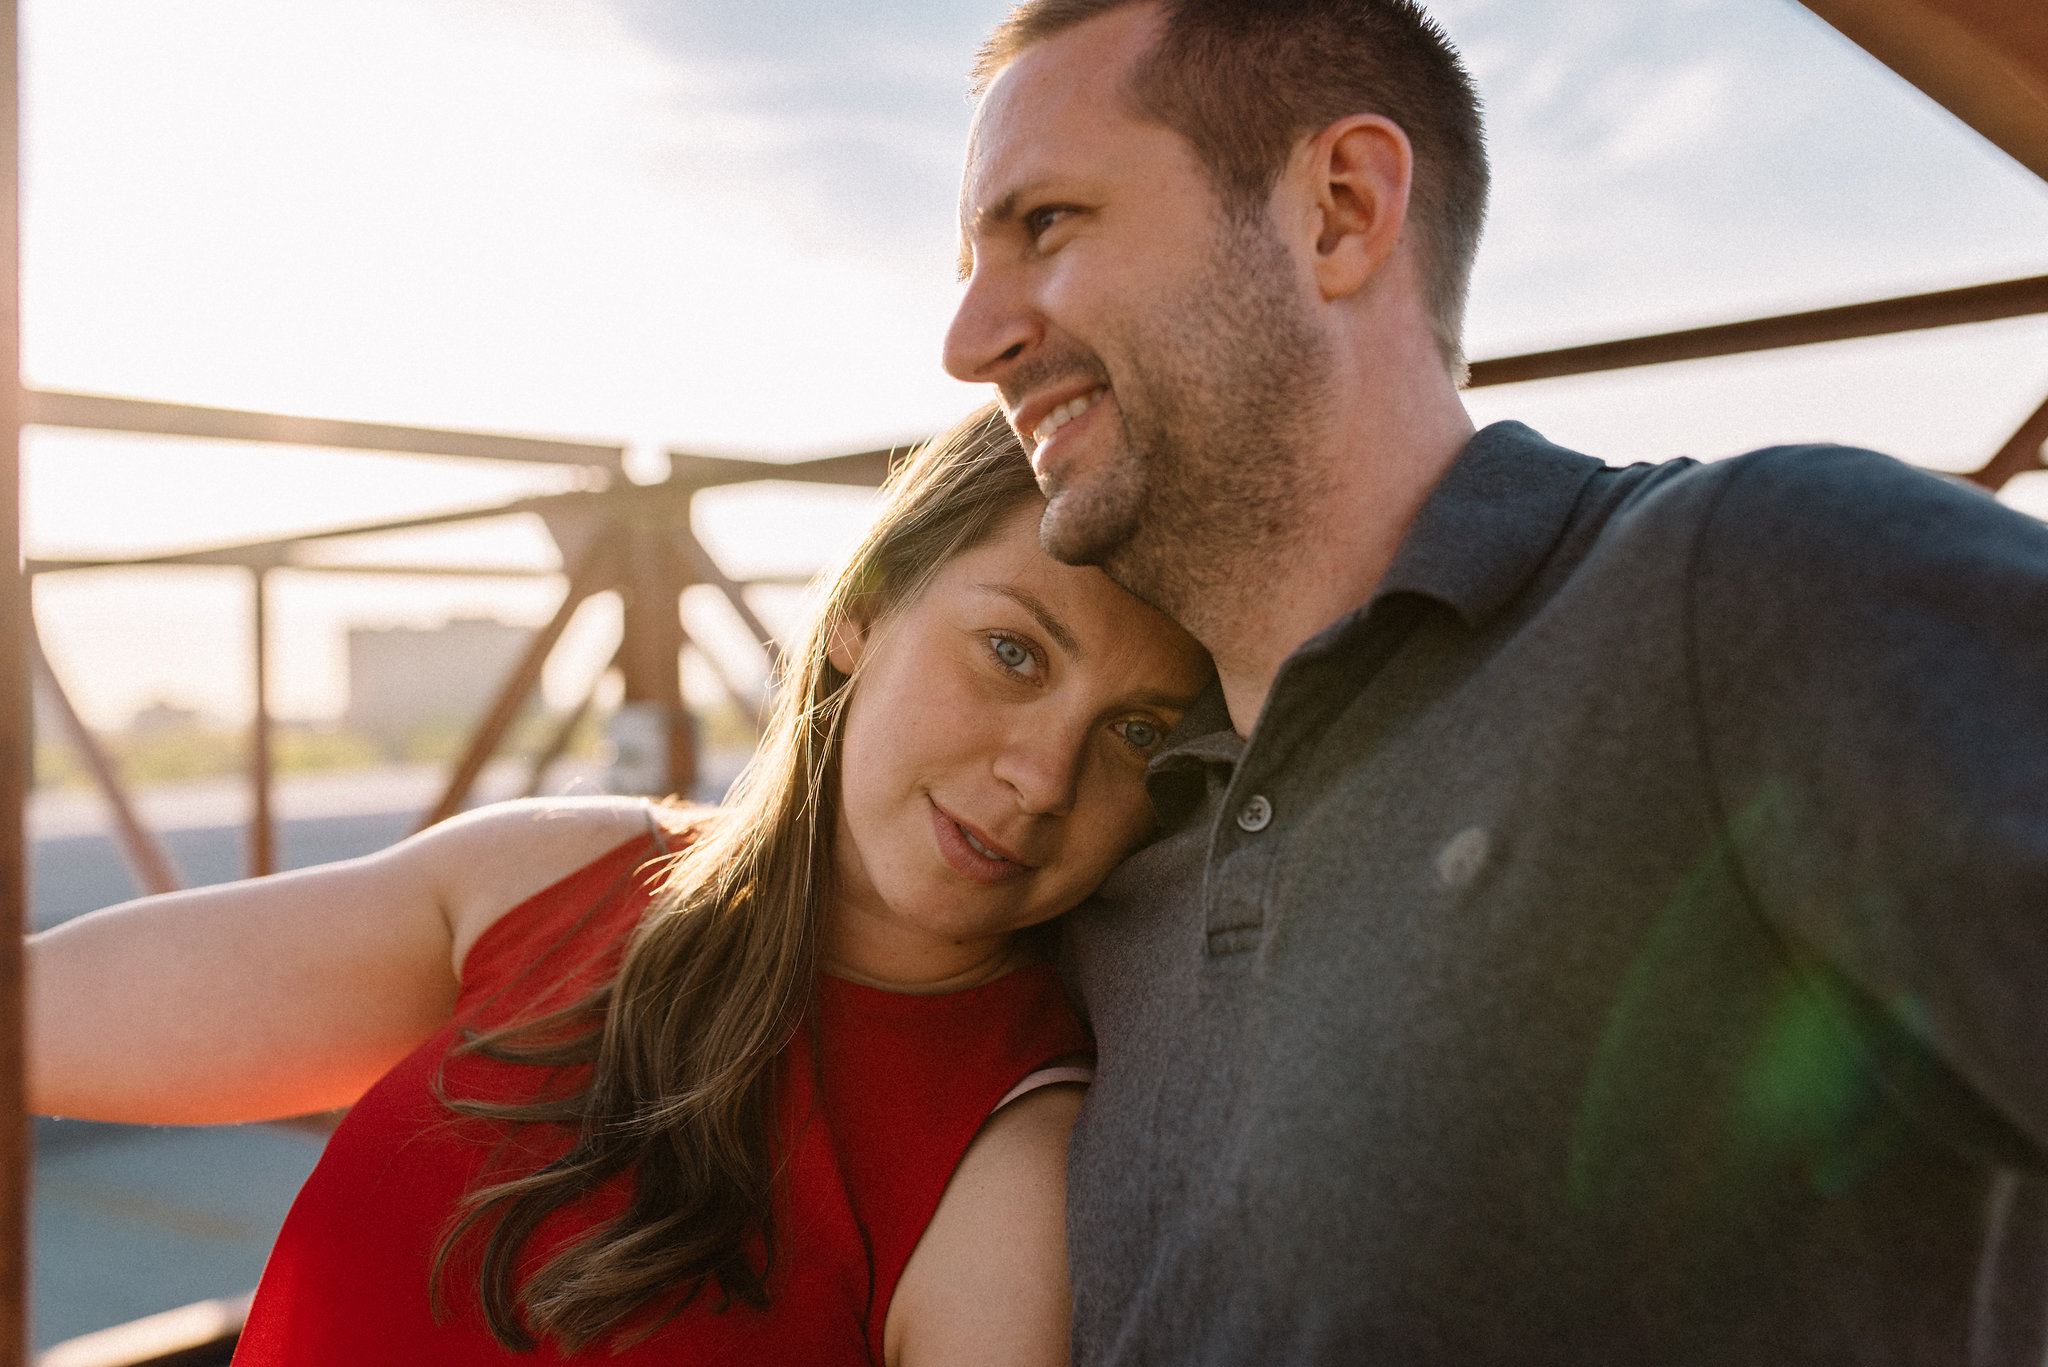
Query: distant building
[
  {"x": 164, "y": 718},
  {"x": 401, "y": 679}
]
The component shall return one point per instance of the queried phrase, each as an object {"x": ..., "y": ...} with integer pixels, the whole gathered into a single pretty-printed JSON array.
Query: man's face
[{"x": 1155, "y": 354}]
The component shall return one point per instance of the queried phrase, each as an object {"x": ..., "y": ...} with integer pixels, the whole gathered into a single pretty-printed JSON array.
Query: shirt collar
[
  {"x": 1490, "y": 522},
  {"x": 1483, "y": 531},
  {"x": 1176, "y": 777},
  {"x": 1203, "y": 732}
]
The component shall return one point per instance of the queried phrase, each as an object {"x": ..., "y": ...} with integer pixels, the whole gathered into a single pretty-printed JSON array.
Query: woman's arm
[
  {"x": 290, "y": 994},
  {"x": 987, "y": 1284}
]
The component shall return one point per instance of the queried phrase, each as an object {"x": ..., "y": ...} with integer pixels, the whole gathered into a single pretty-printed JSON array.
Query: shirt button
[{"x": 1256, "y": 814}]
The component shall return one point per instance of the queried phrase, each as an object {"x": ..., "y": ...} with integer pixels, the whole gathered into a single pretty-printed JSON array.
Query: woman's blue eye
[
  {"x": 1142, "y": 734},
  {"x": 1011, "y": 653}
]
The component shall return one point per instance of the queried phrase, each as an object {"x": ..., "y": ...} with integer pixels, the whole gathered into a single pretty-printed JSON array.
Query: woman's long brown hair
[{"x": 680, "y": 1050}]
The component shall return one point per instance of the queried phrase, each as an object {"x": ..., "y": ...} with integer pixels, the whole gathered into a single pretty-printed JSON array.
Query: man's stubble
[{"x": 1223, "y": 387}]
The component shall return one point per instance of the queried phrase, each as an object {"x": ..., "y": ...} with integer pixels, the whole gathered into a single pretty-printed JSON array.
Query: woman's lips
[{"x": 964, "y": 859}]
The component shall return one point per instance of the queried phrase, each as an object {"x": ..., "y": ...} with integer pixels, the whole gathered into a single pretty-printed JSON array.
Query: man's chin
[
  {"x": 1075, "y": 533},
  {"x": 1074, "y": 540}
]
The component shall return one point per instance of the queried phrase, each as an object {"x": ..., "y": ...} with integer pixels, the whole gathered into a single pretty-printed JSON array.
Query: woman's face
[{"x": 995, "y": 748}]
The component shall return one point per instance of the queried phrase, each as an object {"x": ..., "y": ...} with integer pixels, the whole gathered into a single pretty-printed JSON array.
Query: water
[
  {"x": 129, "y": 1220},
  {"x": 71, "y": 875}
]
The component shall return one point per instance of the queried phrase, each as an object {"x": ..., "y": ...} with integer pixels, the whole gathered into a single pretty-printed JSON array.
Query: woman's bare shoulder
[{"x": 485, "y": 862}]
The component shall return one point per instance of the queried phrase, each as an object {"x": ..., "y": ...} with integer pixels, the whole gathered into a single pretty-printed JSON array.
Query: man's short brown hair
[{"x": 1243, "y": 80}]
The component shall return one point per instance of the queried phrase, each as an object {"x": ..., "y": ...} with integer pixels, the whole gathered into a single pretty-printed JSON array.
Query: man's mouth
[{"x": 1066, "y": 413}]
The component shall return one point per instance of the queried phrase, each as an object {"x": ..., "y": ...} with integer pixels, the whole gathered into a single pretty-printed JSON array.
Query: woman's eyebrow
[
  {"x": 1166, "y": 702},
  {"x": 1051, "y": 625}
]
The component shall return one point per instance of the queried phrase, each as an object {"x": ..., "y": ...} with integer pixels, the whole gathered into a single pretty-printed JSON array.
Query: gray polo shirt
[{"x": 1624, "y": 940}]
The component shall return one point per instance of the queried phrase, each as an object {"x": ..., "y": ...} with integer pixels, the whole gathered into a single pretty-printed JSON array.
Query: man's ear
[
  {"x": 849, "y": 637},
  {"x": 1360, "y": 171}
]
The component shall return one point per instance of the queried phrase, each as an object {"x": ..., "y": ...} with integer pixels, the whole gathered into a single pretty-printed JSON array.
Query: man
[{"x": 1601, "y": 914}]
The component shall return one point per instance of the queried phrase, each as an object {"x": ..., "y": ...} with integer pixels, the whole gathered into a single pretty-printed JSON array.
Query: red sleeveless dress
[{"x": 871, "y": 1135}]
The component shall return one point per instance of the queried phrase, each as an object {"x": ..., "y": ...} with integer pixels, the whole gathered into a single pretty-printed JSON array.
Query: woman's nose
[{"x": 1043, "y": 767}]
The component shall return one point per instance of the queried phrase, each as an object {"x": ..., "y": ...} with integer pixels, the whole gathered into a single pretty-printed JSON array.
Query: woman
[{"x": 750, "y": 1100}]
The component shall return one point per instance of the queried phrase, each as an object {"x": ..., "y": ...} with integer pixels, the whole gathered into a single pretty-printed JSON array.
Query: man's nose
[
  {"x": 991, "y": 330},
  {"x": 1042, "y": 765}
]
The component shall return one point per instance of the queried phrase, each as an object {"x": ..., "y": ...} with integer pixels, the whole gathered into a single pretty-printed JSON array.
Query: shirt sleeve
[{"x": 1870, "y": 649}]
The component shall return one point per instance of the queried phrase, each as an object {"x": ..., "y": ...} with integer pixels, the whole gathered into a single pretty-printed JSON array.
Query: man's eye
[
  {"x": 1011, "y": 653},
  {"x": 1040, "y": 221}
]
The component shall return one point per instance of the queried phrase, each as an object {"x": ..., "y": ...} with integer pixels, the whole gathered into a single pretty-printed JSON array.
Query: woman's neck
[{"x": 915, "y": 965}]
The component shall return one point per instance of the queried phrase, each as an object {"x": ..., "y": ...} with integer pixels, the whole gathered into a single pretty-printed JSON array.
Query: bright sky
[{"x": 729, "y": 228}]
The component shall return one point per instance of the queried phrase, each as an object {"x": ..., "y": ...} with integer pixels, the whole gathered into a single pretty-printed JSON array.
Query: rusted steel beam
[
  {"x": 262, "y": 828},
  {"x": 423, "y": 571},
  {"x": 36, "y": 567},
  {"x": 705, "y": 570},
  {"x": 594, "y": 573},
  {"x": 864, "y": 468},
  {"x": 1908, "y": 313},
  {"x": 558, "y": 742},
  {"x": 2020, "y": 454},
  {"x": 717, "y": 671},
  {"x": 868, "y": 468},
  {"x": 783, "y": 579},
  {"x": 106, "y": 413},
  {"x": 16, "y": 750},
  {"x": 1985, "y": 61},
  {"x": 651, "y": 648},
  {"x": 145, "y": 855},
  {"x": 274, "y": 551},
  {"x": 112, "y": 413}
]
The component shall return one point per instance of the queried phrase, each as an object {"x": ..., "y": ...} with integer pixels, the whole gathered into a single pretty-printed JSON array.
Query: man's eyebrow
[
  {"x": 1051, "y": 625},
  {"x": 995, "y": 215},
  {"x": 1002, "y": 211}
]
